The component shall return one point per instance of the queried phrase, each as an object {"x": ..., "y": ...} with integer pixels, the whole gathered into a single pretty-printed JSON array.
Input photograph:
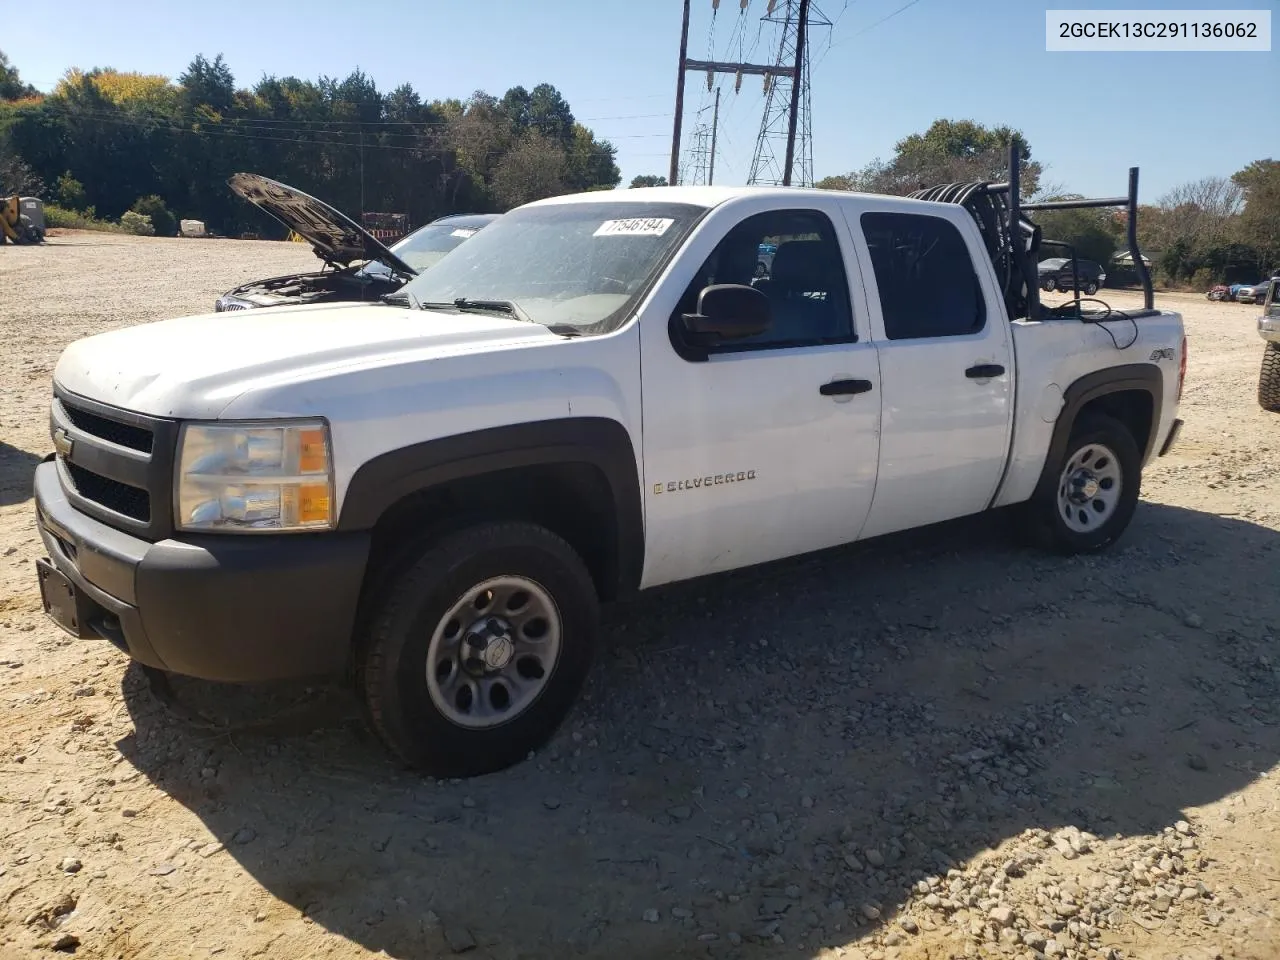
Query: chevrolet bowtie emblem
[{"x": 62, "y": 443}]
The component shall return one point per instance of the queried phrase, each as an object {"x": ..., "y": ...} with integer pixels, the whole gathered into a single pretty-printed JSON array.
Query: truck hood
[
  {"x": 194, "y": 367},
  {"x": 336, "y": 239}
]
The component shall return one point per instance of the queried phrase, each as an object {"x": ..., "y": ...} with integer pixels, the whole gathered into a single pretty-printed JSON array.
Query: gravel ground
[{"x": 935, "y": 745}]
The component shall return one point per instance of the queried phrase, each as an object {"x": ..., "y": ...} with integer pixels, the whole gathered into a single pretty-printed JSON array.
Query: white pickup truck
[{"x": 593, "y": 396}]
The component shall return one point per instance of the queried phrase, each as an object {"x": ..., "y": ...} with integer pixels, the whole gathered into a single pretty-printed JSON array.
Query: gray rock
[
  {"x": 1194, "y": 621},
  {"x": 874, "y": 857},
  {"x": 70, "y": 865},
  {"x": 793, "y": 892},
  {"x": 164, "y": 869},
  {"x": 1003, "y": 916},
  {"x": 650, "y": 916},
  {"x": 909, "y": 925},
  {"x": 551, "y": 803},
  {"x": 682, "y": 913},
  {"x": 1197, "y": 762},
  {"x": 680, "y": 813},
  {"x": 244, "y": 835},
  {"x": 870, "y": 912}
]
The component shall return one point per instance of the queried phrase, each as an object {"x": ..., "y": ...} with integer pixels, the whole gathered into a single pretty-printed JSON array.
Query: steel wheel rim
[
  {"x": 493, "y": 652},
  {"x": 1089, "y": 488}
]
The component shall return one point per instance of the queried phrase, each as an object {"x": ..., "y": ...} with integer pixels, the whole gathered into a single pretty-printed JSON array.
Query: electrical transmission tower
[
  {"x": 699, "y": 168},
  {"x": 786, "y": 124}
]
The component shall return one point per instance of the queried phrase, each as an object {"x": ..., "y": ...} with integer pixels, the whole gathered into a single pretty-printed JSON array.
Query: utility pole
[
  {"x": 795, "y": 92},
  {"x": 675, "y": 135},
  {"x": 715, "y": 127},
  {"x": 770, "y": 71}
]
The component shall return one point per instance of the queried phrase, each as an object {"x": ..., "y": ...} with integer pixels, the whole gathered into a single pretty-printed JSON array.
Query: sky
[{"x": 883, "y": 70}]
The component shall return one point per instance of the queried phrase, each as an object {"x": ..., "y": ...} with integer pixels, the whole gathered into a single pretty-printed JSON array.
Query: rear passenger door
[{"x": 945, "y": 365}]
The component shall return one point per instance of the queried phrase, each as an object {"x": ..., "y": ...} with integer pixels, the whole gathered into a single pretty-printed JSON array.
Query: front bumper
[
  {"x": 236, "y": 608},
  {"x": 1269, "y": 329}
]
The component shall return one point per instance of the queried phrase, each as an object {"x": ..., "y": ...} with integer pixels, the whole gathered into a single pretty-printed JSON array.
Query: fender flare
[
  {"x": 598, "y": 441},
  {"x": 1146, "y": 377}
]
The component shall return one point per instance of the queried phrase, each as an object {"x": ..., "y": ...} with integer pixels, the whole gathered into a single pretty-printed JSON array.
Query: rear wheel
[
  {"x": 1269, "y": 379},
  {"x": 1096, "y": 491},
  {"x": 1090, "y": 288},
  {"x": 479, "y": 649},
  {"x": 1051, "y": 284}
]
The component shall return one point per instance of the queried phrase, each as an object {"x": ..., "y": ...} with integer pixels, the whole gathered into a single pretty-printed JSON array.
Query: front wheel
[
  {"x": 1090, "y": 288},
  {"x": 1269, "y": 379},
  {"x": 1050, "y": 284},
  {"x": 1096, "y": 491},
  {"x": 479, "y": 649}
]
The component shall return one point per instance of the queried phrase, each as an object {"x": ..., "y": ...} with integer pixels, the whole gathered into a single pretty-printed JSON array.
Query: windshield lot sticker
[
  {"x": 464, "y": 232},
  {"x": 634, "y": 227}
]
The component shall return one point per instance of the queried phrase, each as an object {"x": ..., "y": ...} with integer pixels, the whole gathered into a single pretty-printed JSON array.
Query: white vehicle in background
[
  {"x": 593, "y": 396},
  {"x": 358, "y": 267}
]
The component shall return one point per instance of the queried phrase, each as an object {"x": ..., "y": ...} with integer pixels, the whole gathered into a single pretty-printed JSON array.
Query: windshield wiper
[
  {"x": 509, "y": 307},
  {"x": 401, "y": 298}
]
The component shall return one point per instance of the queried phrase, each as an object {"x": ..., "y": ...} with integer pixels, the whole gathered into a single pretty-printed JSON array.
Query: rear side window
[{"x": 925, "y": 276}]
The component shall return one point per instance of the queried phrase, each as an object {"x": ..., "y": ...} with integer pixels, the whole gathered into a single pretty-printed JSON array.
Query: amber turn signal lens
[
  {"x": 313, "y": 503},
  {"x": 312, "y": 455}
]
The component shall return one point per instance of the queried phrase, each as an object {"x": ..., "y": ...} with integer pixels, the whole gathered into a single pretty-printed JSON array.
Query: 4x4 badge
[{"x": 62, "y": 443}]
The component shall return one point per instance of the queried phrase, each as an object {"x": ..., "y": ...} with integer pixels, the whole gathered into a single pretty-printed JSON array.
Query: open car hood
[{"x": 335, "y": 238}]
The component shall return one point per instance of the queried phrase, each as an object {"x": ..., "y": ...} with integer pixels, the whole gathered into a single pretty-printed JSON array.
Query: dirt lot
[{"x": 930, "y": 746}]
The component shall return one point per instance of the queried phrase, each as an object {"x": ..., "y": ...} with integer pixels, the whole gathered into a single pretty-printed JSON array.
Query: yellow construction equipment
[{"x": 21, "y": 220}]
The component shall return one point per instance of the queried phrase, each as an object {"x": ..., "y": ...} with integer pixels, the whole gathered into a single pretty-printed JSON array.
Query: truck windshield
[{"x": 581, "y": 265}]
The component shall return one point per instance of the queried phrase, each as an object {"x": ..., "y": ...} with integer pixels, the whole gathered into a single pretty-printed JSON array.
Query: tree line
[{"x": 105, "y": 142}]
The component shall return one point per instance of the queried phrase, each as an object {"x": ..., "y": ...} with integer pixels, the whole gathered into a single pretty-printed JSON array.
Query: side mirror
[{"x": 728, "y": 311}]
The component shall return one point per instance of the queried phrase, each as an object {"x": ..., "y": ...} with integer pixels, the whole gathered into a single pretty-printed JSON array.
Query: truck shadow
[
  {"x": 925, "y": 697},
  {"x": 17, "y": 473}
]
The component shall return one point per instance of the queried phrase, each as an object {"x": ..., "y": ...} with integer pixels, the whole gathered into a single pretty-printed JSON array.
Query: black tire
[
  {"x": 1269, "y": 379},
  {"x": 1090, "y": 288},
  {"x": 1050, "y": 284},
  {"x": 1043, "y": 517},
  {"x": 391, "y": 671}
]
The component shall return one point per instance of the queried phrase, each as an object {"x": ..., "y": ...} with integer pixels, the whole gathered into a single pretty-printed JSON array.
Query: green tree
[
  {"x": 648, "y": 180},
  {"x": 152, "y": 207},
  {"x": 532, "y": 170},
  {"x": 1260, "y": 219},
  {"x": 949, "y": 151},
  {"x": 11, "y": 85},
  {"x": 70, "y": 192}
]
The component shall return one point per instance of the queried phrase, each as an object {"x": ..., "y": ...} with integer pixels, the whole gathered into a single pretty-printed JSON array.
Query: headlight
[{"x": 254, "y": 477}]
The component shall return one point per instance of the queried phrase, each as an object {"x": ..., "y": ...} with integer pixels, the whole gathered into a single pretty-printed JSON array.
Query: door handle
[
  {"x": 984, "y": 371},
  {"x": 840, "y": 388}
]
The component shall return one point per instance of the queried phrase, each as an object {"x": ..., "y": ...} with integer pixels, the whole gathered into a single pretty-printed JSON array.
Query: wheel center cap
[
  {"x": 1089, "y": 488},
  {"x": 497, "y": 652}
]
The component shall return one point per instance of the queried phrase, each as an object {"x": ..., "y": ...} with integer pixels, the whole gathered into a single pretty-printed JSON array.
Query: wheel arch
[
  {"x": 577, "y": 476},
  {"x": 1131, "y": 393}
]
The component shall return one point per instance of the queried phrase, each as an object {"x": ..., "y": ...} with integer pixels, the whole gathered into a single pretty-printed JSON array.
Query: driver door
[{"x": 767, "y": 447}]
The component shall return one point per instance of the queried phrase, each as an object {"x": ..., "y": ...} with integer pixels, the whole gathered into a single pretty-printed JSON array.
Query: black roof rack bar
[{"x": 1077, "y": 204}]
